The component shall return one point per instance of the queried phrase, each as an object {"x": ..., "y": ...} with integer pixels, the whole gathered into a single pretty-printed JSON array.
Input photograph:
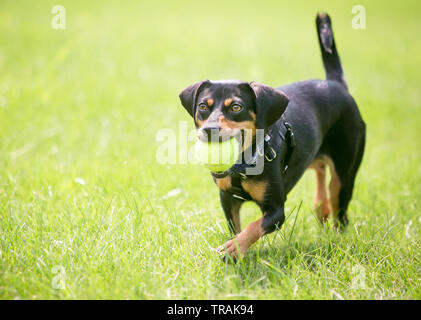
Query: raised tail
[{"x": 331, "y": 61}]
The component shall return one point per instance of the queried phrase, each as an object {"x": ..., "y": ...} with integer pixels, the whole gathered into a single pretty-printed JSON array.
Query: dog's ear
[
  {"x": 188, "y": 96},
  {"x": 270, "y": 104}
]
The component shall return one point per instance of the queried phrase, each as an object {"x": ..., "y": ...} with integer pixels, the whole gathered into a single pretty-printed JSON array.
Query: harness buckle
[{"x": 273, "y": 155}]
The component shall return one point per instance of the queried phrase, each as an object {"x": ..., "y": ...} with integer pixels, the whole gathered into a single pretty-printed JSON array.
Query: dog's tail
[{"x": 330, "y": 56}]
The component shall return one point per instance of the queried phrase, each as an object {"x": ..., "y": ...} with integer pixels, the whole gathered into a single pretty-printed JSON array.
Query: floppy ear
[
  {"x": 270, "y": 104},
  {"x": 188, "y": 96}
]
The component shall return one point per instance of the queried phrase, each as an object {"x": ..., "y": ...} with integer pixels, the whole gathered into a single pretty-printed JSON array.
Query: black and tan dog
[{"x": 309, "y": 124}]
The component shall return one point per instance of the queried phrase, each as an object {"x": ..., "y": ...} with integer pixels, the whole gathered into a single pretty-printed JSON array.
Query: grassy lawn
[{"x": 86, "y": 211}]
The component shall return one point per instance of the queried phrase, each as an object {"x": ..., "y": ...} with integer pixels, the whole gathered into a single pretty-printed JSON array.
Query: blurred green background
[{"x": 80, "y": 187}]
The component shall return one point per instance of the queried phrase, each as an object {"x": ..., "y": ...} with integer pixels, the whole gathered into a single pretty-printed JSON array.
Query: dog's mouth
[{"x": 245, "y": 137}]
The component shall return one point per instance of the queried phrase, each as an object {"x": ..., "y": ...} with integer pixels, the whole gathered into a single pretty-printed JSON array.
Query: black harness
[{"x": 265, "y": 148}]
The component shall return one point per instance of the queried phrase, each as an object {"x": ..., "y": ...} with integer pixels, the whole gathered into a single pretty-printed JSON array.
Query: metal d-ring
[
  {"x": 273, "y": 155},
  {"x": 243, "y": 176}
]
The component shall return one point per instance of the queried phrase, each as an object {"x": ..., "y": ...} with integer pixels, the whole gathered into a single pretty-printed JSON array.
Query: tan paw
[
  {"x": 323, "y": 209},
  {"x": 234, "y": 248}
]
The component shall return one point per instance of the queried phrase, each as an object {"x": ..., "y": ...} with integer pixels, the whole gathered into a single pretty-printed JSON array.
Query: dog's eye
[
  {"x": 236, "y": 108},
  {"x": 203, "y": 107}
]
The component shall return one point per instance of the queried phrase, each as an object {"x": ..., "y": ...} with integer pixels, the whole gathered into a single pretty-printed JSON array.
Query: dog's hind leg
[
  {"x": 334, "y": 188},
  {"x": 321, "y": 201},
  {"x": 344, "y": 167}
]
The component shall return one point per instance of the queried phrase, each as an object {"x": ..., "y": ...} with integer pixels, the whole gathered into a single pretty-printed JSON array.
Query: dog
[{"x": 309, "y": 124}]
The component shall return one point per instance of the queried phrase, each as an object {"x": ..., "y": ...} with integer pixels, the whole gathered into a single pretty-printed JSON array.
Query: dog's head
[{"x": 229, "y": 108}]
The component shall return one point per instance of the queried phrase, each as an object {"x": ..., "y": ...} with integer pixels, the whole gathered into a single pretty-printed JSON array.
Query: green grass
[{"x": 80, "y": 188}]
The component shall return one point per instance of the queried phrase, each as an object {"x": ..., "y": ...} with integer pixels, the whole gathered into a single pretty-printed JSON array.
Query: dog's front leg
[
  {"x": 273, "y": 218},
  {"x": 231, "y": 207}
]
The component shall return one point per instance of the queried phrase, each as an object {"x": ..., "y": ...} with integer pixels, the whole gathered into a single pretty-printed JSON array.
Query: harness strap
[
  {"x": 290, "y": 140},
  {"x": 237, "y": 190}
]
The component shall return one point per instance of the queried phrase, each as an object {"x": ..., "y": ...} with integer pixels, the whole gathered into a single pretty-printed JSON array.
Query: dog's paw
[{"x": 234, "y": 249}]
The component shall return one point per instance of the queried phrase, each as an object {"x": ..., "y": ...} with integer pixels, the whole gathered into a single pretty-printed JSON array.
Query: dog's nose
[
  {"x": 214, "y": 134},
  {"x": 210, "y": 134}
]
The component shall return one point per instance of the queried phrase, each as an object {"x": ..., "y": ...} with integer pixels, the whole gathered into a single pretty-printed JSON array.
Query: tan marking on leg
[
  {"x": 323, "y": 205},
  {"x": 334, "y": 189},
  {"x": 321, "y": 201},
  {"x": 244, "y": 239},
  {"x": 256, "y": 189},
  {"x": 227, "y": 102}
]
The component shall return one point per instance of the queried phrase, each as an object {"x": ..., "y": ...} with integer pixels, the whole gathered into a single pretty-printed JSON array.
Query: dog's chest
[{"x": 256, "y": 189}]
